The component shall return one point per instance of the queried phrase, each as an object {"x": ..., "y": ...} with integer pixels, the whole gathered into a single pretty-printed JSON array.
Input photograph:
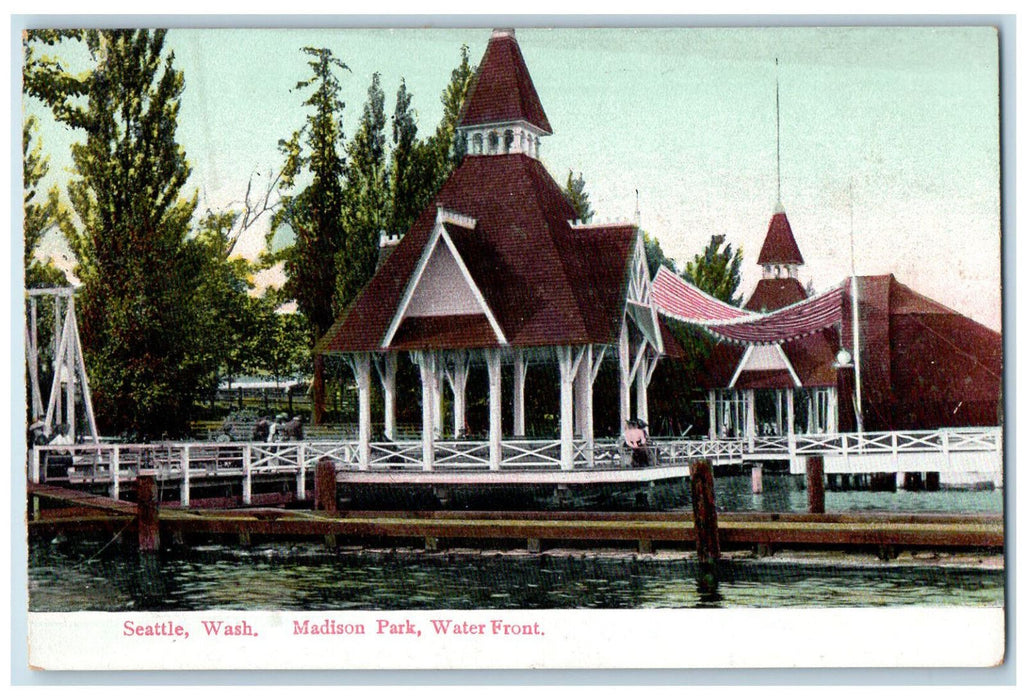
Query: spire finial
[
  {"x": 638, "y": 212},
  {"x": 777, "y": 119}
]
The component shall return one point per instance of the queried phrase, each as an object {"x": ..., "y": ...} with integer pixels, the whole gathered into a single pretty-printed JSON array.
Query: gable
[{"x": 442, "y": 289}]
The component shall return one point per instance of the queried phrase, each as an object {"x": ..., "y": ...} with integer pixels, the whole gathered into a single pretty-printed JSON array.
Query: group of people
[{"x": 280, "y": 429}]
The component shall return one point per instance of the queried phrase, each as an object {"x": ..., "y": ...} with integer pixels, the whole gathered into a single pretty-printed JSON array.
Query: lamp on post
[{"x": 845, "y": 368}]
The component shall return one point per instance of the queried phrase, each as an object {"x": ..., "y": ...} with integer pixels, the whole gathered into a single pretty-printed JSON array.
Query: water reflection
[{"x": 68, "y": 577}]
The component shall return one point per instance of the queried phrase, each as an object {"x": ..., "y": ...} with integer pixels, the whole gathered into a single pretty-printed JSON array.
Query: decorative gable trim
[
  {"x": 439, "y": 234},
  {"x": 784, "y": 363}
]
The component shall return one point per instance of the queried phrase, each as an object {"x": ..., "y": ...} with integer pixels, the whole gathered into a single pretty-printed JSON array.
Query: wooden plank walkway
[{"x": 737, "y": 530}]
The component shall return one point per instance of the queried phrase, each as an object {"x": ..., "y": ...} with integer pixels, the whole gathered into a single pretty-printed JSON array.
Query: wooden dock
[{"x": 63, "y": 511}]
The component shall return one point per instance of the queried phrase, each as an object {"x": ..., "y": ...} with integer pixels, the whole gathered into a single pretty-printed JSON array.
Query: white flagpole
[{"x": 855, "y": 317}]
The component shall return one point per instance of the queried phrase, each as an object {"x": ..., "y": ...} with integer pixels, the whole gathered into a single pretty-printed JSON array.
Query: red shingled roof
[
  {"x": 502, "y": 90},
  {"x": 772, "y": 294},
  {"x": 545, "y": 283},
  {"x": 439, "y": 332},
  {"x": 779, "y": 247}
]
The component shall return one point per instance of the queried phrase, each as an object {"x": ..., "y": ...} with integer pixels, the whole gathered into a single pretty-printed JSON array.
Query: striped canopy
[{"x": 684, "y": 302}]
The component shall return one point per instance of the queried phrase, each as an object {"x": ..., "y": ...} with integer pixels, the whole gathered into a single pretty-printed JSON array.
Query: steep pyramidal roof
[
  {"x": 502, "y": 90},
  {"x": 546, "y": 283},
  {"x": 779, "y": 247}
]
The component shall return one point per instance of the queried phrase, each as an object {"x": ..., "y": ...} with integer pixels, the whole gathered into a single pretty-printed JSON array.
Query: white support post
[
  {"x": 425, "y": 362},
  {"x": 185, "y": 475},
  {"x": 790, "y": 397},
  {"x": 59, "y": 341},
  {"x": 116, "y": 473},
  {"x": 624, "y": 365},
  {"x": 492, "y": 361},
  {"x": 585, "y": 375},
  {"x": 565, "y": 356},
  {"x": 520, "y": 374},
  {"x": 69, "y": 386},
  {"x": 301, "y": 472},
  {"x": 458, "y": 383},
  {"x": 362, "y": 371},
  {"x": 711, "y": 407},
  {"x": 750, "y": 418},
  {"x": 34, "y": 464},
  {"x": 437, "y": 388},
  {"x": 642, "y": 386},
  {"x": 388, "y": 379},
  {"x": 247, "y": 475}
]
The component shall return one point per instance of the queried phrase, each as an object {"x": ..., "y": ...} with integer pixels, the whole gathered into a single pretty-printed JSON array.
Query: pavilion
[{"x": 498, "y": 272}]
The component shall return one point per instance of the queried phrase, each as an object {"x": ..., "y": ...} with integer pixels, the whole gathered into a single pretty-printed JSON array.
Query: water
[{"x": 73, "y": 575}]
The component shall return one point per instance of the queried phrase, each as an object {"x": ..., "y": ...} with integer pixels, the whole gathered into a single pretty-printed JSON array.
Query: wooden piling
[
  {"x": 325, "y": 486},
  {"x": 757, "y": 479},
  {"x": 534, "y": 545},
  {"x": 146, "y": 513},
  {"x": 704, "y": 511},
  {"x": 932, "y": 481},
  {"x": 815, "y": 483}
]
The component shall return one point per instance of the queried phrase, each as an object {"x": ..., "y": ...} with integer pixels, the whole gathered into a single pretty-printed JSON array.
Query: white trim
[
  {"x": 740, "y": 367},
  {"x": 439, "y": 232},
  {"x": 745, "y": 360}
]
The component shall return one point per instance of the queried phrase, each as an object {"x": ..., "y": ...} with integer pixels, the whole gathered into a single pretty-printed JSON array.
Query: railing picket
[{"x": 116, "y": 473}]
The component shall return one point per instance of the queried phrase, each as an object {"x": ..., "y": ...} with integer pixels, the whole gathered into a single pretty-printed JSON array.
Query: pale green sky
[{"x": 908, "y": 116}]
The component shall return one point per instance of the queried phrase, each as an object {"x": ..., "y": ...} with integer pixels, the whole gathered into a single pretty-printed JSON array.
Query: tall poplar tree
[
  {"x": 315, "y": 213},
  {"x": 575, "y": 191},
  {"x": 40, "y": 214},
  {"x": 138, "y": 269},
  {"x": 365, "y": 196}
]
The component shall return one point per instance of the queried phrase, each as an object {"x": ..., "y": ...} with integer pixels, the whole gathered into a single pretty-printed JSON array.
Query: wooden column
[
  {"x": 711, "y": 406},
  {"x": 565, "y": 357},
  {"x": 458, "y": 383},
  {"x": 520, "y": 373},
  {"x": 437, "y": 388},
  {"x": 584, "y": 399},
  {"x": 642, "y": 376},
  {"x": 624, "y": 367},
  {"x": 750, "y": 418},
  {"x": 426, "y": 364},
  {"x": 146, "y": 510},
  {"x": 361, "y": 364},
  {"x": 494, "y": 366},
  {"x": 815, "y": 483},
  {"x": 386, "y": 367}
]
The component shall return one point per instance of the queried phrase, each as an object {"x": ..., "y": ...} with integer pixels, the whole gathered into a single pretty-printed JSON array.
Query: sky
[{"x": 889, "y": 136}]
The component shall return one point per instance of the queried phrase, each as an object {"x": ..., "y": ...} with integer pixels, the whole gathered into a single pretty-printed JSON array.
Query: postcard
[{"x": 513, "y": 348}]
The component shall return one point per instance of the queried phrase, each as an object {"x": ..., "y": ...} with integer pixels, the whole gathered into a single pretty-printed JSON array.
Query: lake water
[{"x": 66, "y": 575}]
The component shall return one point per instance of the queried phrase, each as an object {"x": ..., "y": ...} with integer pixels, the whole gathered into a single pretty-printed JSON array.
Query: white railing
[{"x": 115, "y": 463}]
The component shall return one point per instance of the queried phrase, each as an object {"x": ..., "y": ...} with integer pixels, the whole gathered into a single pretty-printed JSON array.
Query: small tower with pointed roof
[{"x": 503, "y": 113}]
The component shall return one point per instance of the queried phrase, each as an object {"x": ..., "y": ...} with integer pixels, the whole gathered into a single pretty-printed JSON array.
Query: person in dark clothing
[
  {"x": 261, "y": 430},
  {"x": 635, "y": 439}
]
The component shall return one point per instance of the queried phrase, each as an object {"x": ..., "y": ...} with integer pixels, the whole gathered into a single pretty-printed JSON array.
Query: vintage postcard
[{"x": 513, "y": 347}]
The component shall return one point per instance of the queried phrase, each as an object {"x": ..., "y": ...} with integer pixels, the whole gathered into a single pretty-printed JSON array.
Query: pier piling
[
  {"x": 325, "y": 486},
  {"x": 146, "y": 510},
  {"x": 757, "y": 479},
  {"x": 815, "y": 483}
]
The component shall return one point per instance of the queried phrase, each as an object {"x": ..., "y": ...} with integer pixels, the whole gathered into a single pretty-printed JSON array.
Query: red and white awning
[{"x": 684, "y": 302}]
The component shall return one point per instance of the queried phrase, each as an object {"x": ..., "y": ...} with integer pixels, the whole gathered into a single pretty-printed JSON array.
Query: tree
[
  {"x": 39, "y": 217},
  {"x": 413, "y": 165},
  {"x": 365, "y": 198},
  {"x": 138, "y": 270},
  {"x": 315, "y": 213},
  {"x": 449, "y": 151},
  {"x": 717, "y": 271},
  {"x": 655, "y": 257},
  {"x": 575, "y": 191}
]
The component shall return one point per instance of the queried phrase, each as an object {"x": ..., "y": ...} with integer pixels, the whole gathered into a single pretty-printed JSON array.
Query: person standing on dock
[{"x": 634, "y": 438}]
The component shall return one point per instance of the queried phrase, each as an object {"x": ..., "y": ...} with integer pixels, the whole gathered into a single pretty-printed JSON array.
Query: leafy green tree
[
  {"x": 138, "y": 270},
  {"x": 575, "y": 191},
  {"x": 717, "y": 270},
  {"x": 449, "y": 151},
  {"x": 315, "y": 213},
  {"x": 654, "y": 255},
  {"x": 39, "y": 217},
  {"x": 412, "y": 166},
  {"x": 366, "y": 198}
]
